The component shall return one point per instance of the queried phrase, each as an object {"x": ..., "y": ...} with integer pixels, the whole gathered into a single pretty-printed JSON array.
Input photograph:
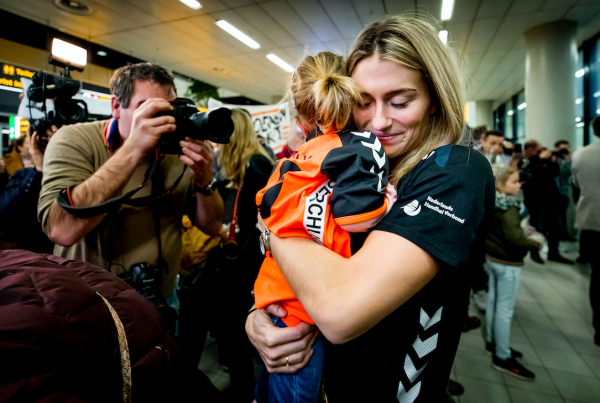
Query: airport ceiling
[{"x": 489, "y": 32}]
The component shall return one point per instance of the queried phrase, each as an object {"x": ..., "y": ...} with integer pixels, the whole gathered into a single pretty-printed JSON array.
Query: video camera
[
  {"x": 215, "y": 125},
  {"x": 61, "y": 89},
  {"x": 55, "y": 92}
]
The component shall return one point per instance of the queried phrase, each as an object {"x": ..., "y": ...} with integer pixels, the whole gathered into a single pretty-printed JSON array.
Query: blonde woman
[{"x": 393, "y": 310}]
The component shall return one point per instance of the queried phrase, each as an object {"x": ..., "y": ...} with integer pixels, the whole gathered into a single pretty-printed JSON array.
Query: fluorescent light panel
[
  {"x": 578, "y": 101},
  {"x": 522, "y": 106},
  {"x": 447, "y": 7},
  {"x": 510, "y": 113},
  {"x": 444, "y": 36},
  {"x": 578, "y": 119},
  {"x": 236, "y": 33},
  {"x": 193, "y": 4},
  {"x": 69, "y": 52},
  {"x": 580, "y": 73},
  {"x": 580, "y": 124},
  {"x": 275, "y": 59}
]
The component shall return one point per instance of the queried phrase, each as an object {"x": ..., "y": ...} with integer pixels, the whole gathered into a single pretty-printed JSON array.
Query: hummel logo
[{"x": 413, "y": 208}]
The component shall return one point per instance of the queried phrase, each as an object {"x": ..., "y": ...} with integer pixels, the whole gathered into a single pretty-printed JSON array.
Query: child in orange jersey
[{"x": 334, "y": 185}]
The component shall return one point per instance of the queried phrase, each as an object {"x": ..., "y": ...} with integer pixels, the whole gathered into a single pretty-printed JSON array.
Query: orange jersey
[{"x": 335, "y": 180}]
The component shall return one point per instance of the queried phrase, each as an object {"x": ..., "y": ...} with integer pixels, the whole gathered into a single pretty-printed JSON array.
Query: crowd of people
[{"x": 347, "y": 259}]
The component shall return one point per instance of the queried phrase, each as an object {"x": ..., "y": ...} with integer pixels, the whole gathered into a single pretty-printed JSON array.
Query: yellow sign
[
  {"x": 11, "y": 71},
  {"x": 10, "y": 83}
]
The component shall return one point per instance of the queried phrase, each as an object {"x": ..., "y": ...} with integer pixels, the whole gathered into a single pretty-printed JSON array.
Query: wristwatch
[
  {"x": 208, "y": 189},
  {"x": 265, "y": 243}
]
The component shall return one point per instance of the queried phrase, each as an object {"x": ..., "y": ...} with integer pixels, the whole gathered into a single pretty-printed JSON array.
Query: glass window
[
  {"x": 508, "y": 120},
  {"x": 594, "y": 91},
  {"x": 579, "y": 98},
  {"x": 520, "y": 116}
]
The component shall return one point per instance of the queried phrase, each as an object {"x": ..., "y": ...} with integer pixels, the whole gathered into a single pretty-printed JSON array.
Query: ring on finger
[{"x": 287, "y": 361}]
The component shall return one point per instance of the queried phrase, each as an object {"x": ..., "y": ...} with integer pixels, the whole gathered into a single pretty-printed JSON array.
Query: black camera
[
  {"x": 61, "y": 90},
  {"x": 146, "y": 279},
  {"x": 215, "y": 125}
]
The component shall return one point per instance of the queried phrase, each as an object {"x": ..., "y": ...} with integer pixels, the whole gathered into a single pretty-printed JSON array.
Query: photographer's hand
[
  {"x": 146, "y": 130},
  {"x": 37, "y": 155},
  {"x": 198, "y": 155}
]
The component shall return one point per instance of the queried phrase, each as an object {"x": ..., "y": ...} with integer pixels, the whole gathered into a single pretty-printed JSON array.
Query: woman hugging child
[{"x": 335, "y": 184}]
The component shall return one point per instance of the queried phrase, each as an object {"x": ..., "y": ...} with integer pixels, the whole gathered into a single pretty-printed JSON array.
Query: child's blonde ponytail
[{"x": 322, "y": 92}]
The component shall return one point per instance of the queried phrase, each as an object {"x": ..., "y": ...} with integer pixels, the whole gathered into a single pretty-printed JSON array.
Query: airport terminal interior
[{"x": 156, "y": 154}]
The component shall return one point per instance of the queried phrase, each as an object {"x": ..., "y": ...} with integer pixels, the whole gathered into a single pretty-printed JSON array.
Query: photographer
[
  {"x": 18, "y": 202},
  {"x": 100, "y": 160},
  {"x": 542, "y": 196}
]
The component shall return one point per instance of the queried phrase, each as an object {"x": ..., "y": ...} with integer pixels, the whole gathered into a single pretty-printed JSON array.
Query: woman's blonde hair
[
  {"x": 414, "y": 43},
  {"x": 322, "y": 94},
  {"x": 234, "y": 156}
]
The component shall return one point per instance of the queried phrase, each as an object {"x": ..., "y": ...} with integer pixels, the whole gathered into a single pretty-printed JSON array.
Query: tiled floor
[{"x": 551, "y": 327}]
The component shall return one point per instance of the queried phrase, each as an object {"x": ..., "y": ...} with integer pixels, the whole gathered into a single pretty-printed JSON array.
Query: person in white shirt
[{"x": 585, "y": 168}]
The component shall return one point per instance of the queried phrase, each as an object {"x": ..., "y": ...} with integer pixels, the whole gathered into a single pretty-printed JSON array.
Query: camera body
[
  {"x": 66, "y": 111},
  {"x": 145, "y": 279},
  {"x": 215, "y": 125}
]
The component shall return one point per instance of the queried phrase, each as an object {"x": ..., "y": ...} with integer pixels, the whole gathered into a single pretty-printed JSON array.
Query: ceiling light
[
  {"x": 597, "y": 111},
  {"x": 280, "y": 63},
  {"x": 236, "y": 33},
  {"x": 522, "y": 106},
  {"x": 68, "y": 53},
  {"x": 510, "y": 113},
  {"x": 101, "y": 53},
  {"x": 578, "y": 119},
  {"x": 580, "y": 73},
  {"x": 193, "y": 4},
  {"x": 596, "y": 94},
  {"x": 444, "y": 36},
  {"x": 447, "y": 6},
  {"x": 580, "y": 124},
  {"x": 578, "y": 101}
]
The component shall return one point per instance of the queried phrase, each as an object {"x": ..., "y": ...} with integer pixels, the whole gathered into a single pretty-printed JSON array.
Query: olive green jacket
[{"x": 506, "y": 242}]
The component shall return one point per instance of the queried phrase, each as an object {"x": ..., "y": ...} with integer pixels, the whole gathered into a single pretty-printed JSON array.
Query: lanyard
[{"x": 233, "y": 222}]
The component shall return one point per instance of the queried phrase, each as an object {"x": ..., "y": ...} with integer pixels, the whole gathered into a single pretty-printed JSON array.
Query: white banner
[{"x": 270, "y": 121}]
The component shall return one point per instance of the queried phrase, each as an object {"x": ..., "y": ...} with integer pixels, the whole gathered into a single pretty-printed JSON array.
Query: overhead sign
[
  {"x": 11, "y": 76},
  {"x": 270, "y": 121}
]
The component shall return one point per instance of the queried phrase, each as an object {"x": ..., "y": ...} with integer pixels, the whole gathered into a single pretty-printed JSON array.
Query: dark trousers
[
  {"x": 589, "y": 242},
  {"x": 545, "y": 219}
]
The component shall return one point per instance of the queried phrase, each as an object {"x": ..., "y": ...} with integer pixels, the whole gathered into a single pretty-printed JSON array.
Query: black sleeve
[
  {"x": 360, "y": 170},
  {"x": 256, "y": 177},
  {"x": 443, "y": 204},
  {"x": 22, "y": 190}
]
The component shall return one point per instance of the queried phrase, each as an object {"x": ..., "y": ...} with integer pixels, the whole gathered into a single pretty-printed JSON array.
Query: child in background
[
  {"x": 335, "y": 183},
  {"x": 506, "y": 246}
]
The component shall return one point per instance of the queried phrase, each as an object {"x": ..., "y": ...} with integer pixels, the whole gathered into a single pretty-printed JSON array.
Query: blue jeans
[
  {"x": 504, "y": 287},
  {"x": 303, "y": 386}
]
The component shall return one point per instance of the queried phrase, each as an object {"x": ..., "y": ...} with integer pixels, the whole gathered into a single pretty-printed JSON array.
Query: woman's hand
[{"x": 276, "y": 344}]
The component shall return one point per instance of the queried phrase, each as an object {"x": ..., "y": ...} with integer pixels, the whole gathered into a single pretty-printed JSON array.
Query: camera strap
[
  {"x": 113, "y": 141},
  {"x": 157, "y": 193},
  {"x": 233, "y": 222}
]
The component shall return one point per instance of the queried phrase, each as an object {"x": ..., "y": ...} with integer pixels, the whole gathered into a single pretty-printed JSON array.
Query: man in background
[
  {"x": 542, "y": 196},
  {"x": 586, "y": 168}
]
